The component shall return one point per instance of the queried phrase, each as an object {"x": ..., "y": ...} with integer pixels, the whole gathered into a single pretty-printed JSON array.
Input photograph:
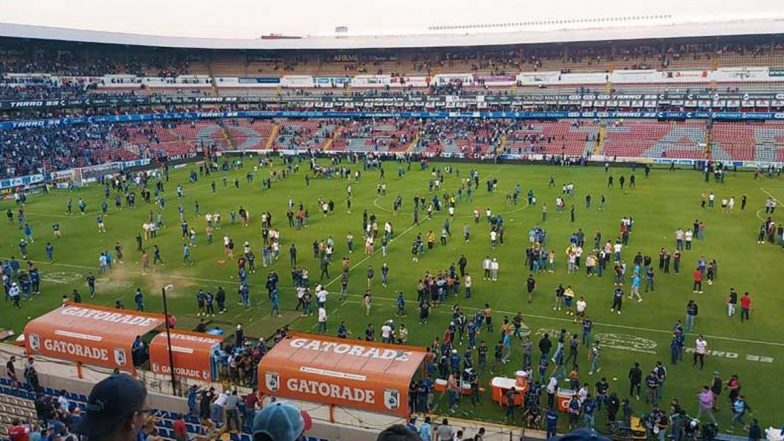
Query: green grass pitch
[{"x": 659, "y": 205}]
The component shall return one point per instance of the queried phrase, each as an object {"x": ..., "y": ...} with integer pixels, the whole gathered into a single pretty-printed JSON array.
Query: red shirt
[
  {"x": 179, "y": 428},
  {"x": 251, "y": 400},
  {"x": 697, "y": 276},
  {"x": 745, "y": 302},
  {"x": 19, "y": 433}
]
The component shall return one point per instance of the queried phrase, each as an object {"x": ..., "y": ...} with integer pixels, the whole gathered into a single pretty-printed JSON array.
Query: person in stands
[
  {"x": 280, "y": 421},
  {"x": 115, "y": 410},
  {"x": 398, "y": 432}
]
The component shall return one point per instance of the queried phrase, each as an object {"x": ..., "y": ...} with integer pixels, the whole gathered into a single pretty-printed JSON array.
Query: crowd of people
[{"x": 462, "y": 353}]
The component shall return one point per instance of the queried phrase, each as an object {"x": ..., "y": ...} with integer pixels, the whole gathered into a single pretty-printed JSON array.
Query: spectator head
[
  {"x": 398, "y": 432},
  {"x": 115, "y": 410},
  {"x": 280, "y": 421},
  {"x": 56, "y": 429},
  {"x": 583, "y": 435}
]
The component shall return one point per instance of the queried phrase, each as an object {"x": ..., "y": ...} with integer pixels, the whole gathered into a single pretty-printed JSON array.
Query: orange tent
[
  {"x": 352, "y": 373},
  {"x": 191, "y": 352},
  {"x": 89, "y": 334}
]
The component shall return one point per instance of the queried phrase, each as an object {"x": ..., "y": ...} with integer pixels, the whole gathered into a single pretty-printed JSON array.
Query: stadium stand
[
  {"x": 24, "y": 404},
  {"x": 63, "y": 71},
  {"x": 567, "y": 137},
  {"x": 97, "y": 60},
  {"x": 34, "y": 149},
  {"x": 655, "y": 139}
]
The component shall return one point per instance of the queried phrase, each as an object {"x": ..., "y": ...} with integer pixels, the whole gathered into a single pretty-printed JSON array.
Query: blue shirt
[
  {"x": 589, "y": 406},
  {"x": 587, "y": 326},
  {"x": 552, "y": 418},
  {"x": 425, "y": 432}
]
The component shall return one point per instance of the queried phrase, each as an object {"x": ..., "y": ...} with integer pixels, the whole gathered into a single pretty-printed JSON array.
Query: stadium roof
[{"x": 684, "y": 30}]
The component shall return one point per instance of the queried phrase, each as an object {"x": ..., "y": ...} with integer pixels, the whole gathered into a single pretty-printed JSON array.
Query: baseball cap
[
  {"x": 58, "y": 427},
  {"x": 282, "y": 421},
  {"x": 112, "y": 401}
]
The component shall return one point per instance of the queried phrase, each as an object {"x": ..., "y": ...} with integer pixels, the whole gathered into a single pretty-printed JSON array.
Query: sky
[{"x": 252, "y": 18}]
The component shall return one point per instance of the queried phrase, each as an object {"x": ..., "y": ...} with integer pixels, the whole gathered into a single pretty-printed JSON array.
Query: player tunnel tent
[
  {"x": 370, "y": 376},
  {"x": 192, "y": 353},
  {"x": 101, "y": 336},
  {"x": 89, "y": 334}
]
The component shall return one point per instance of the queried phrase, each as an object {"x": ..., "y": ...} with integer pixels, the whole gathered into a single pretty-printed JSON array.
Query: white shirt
[
  {"x": 322, "y": 317},
  {"x": 617, "y": 247},
  {"x": 486, "y": 264},
  {"x": 581, "y": 305},
  {"x": 493, "y": 235},
  {"x": 701, "y": 346},
  {"x": 494, "y": 266},
  {"x": 689, "y": 235},
  {"x": 322, "y": 296},
  {"x": 552, "y": 386},
  {"x": 62, "y": 402},
  {"x": 221, "y": 400},
  {"x": 386, "y": 331},
  {"x": 582, "y": 394},
  {"x": 467, "y": 281}
]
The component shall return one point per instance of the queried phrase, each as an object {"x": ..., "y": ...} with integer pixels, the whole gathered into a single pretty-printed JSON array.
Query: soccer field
[{"x": 659, "y": 205}]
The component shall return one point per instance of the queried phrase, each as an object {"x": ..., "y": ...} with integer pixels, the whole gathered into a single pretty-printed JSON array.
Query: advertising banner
[
  {"x": 191, "y": 352},
  {"x": 364, "y": 375},
  {"x": 94, "y": 335}
]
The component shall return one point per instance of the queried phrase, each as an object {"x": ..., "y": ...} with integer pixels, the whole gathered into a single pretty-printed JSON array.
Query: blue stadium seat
[
  {"x": 5, "y": 381},
  {"x": 192, "y": 428}
]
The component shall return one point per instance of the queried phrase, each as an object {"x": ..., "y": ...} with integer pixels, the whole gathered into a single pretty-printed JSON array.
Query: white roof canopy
[{"x": 685, "y": 30}]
